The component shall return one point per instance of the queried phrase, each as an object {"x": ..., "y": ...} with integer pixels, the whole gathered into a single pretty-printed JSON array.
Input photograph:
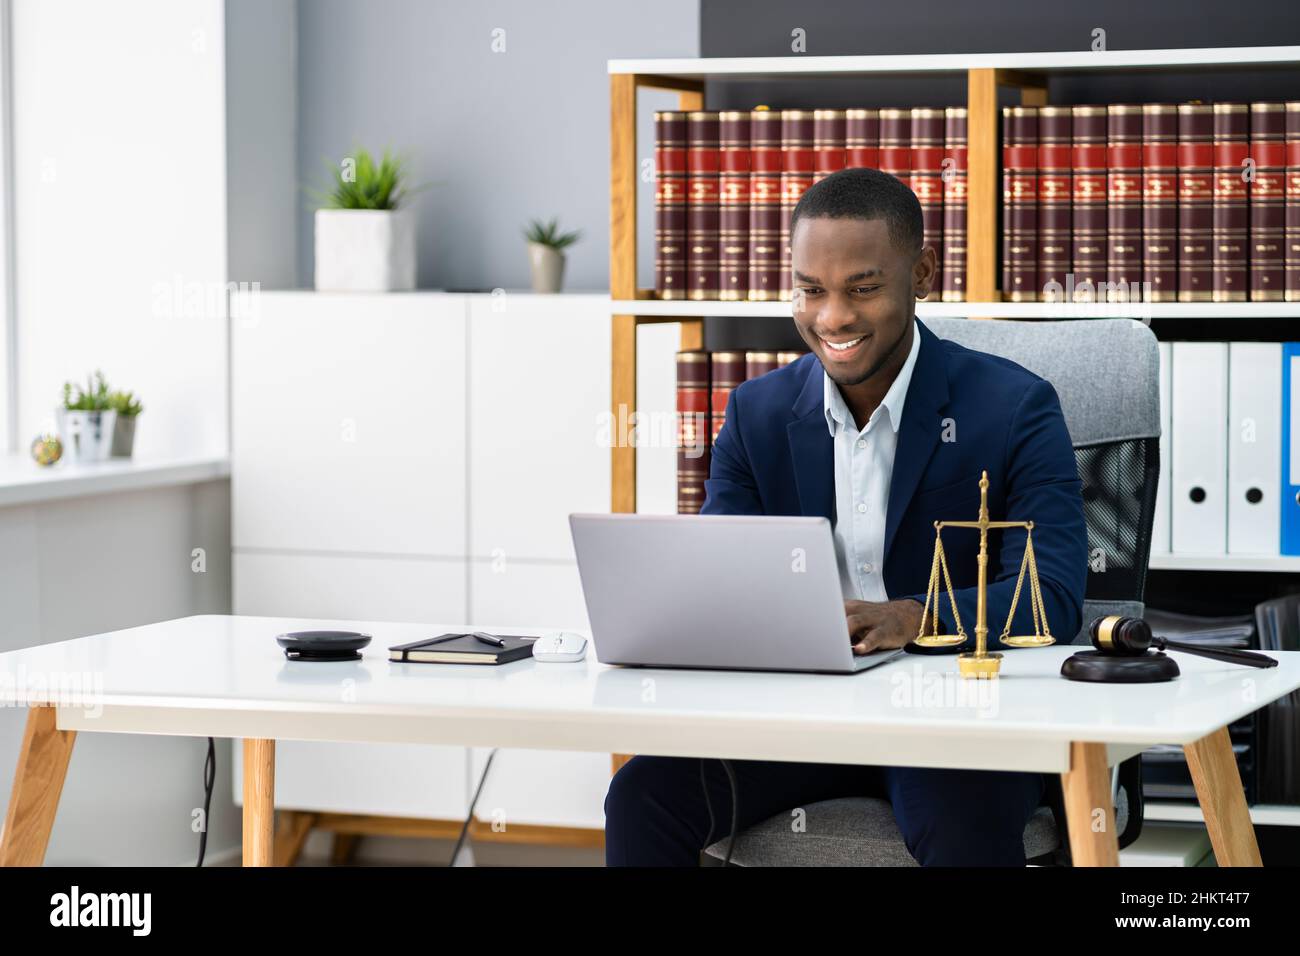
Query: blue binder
[{"x": 1290, "y": 477}]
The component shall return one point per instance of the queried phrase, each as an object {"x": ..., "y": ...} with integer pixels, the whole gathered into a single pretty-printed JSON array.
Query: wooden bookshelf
[{"x": 986, "y": 75}]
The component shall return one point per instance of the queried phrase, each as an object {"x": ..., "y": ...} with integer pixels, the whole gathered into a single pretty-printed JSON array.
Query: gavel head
[{"x": 1120, "y": 635}]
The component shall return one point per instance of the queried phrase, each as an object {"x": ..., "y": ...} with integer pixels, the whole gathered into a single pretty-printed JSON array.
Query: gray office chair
[{"x": 1106, "y": 373}]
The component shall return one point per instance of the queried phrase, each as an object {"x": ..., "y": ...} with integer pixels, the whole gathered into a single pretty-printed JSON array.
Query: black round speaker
[
  {"x": 322, "y": 645},
  {"x": 1150, "y": 668}
]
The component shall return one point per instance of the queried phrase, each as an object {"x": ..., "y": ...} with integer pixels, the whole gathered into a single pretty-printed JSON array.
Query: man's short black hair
[{"x": 862, "y": 193}]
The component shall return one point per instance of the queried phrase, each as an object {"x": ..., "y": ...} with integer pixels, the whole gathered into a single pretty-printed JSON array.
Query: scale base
[
  {"x": 1151, "y": 668},
  {"x": 980, "y": 668}
]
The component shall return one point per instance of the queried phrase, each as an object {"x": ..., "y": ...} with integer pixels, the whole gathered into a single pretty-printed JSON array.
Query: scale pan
[{"x": 1028, "y": 640}]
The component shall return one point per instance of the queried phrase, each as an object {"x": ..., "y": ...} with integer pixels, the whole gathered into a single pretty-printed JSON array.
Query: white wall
[
  {"x": 120, "y": 211},
  {"x": 82, "y": 566}
]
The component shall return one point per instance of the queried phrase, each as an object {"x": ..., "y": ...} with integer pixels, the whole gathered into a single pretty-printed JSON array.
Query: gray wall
[{"x": 501, "y": 137}]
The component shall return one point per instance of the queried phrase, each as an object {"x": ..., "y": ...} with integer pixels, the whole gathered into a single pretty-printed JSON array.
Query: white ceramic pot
[
  {"x": 86, "y": 436},
  {"x": 548, "y": 267},
  {"x": 365, "y": 250}
]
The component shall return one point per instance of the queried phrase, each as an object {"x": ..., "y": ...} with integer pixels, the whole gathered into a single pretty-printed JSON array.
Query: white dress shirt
[{"x": 864, "y": 465}]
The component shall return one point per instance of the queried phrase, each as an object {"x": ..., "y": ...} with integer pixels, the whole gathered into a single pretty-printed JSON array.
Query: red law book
[
  {"x": 1291, "y": 254},
  {"x": 760, "y": 363},
  {"x": 1123, "y": 203},
  {"x": 952, "y": 275},
  {"x": 927, "y": 179},
  {"x": 1055, "y": 198},
  {"x": 1267, "y": 202},
  {"x": 1160, "y": 202},
  {"x": 1088, "y": 208},
  {"x": 828, "y": 142},
  {"x": 1195, "y": 201},
  {"x": 1020, "y": 204},
  {"x": 796, "y": 176},
  {"x": 733, "y": 206},
  {"x": 764, "y": 204},
  {"x": 702, "y": 210},
  {"x": 862, "y": 138},
  {"x": 670, "y": 204},
  {"x": 1231, "y": 215},
  {"x": 692, "y": 430},
  {"x": 785, "y": 358},
  {"x": 896, "y": 143},
  {"x": 727, "y": 370}
]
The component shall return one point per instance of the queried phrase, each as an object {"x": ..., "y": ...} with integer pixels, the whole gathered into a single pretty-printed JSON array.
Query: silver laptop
[{"x": 735, "y": 592}]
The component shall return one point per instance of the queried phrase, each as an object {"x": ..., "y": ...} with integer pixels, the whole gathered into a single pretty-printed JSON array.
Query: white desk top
[{"x": 226, "y": 677}]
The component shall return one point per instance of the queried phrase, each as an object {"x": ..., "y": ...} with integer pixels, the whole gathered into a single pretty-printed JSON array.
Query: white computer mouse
[{"x": 560, "y": 647}]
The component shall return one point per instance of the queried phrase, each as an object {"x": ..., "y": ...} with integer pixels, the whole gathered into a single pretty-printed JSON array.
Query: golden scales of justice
[{"x": 981, "y": 663}]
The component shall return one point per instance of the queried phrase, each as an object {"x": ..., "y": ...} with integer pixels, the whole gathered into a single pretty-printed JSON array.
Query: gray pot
[
  {"x": 86, "y": 436},
  {"x": 548, "y": 267},
  {"x": 124, "y": 436}
]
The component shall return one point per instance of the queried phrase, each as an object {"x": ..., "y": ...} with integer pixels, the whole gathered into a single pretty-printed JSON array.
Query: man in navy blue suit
[{"x": 884, "y": 428}]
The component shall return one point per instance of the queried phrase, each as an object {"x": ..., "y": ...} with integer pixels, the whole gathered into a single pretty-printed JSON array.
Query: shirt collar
[{"x": 837, "y": 412}]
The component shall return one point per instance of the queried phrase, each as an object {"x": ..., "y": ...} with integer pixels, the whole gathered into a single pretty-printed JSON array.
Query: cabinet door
[
  {"x": 555, "y": 788},
  {"x": 348, "y": 424},
  {"x": 527, "y": 594},
  {"x": 539, "y": 394}
]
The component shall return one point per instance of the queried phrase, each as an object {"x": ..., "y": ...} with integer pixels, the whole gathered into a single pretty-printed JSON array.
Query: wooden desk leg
[
  {"x": 1089, "y": 807},
  {"x": 259, "y": 802},
  {"x": 1222, "y": 799},
  {"x": 38, "y": 782}
]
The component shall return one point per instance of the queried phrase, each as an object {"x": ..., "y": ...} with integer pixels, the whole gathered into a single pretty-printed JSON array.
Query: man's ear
[{"x": 923, "y": 272}]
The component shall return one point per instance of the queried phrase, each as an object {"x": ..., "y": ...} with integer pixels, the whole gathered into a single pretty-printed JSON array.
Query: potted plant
[
  {"x": 128, "y": 408},
  {"x": 87, "y": 420},
  {"x": 365, "y": 237},
  {"x": 546, "y": 245}
]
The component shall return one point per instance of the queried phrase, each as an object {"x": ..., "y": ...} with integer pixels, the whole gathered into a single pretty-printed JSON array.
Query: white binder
[
  {"x": 1160, "y": 526},
  {"x": 1198, "y": 487},
  {"x": 1254, "y": 447}
]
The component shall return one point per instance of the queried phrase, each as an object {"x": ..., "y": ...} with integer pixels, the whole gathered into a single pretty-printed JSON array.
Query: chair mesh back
[{"x": 1119, "y": 499}]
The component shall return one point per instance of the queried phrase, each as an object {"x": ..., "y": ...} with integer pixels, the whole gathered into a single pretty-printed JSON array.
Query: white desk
[{"x": 225, "y": 676}]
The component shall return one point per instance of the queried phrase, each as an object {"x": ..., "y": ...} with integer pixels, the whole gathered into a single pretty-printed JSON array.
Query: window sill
[{"x": 22, "y": 481}]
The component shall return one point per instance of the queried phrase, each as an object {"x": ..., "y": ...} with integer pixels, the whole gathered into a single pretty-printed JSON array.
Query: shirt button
[
  {"x": 862, "y": 443},
  {"x": 862, "y": 508},
  {"x": 868, "y": 568}
]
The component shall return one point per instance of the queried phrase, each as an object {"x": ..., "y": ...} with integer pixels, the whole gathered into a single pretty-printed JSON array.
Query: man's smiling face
[{"x": 854, "y": 291}]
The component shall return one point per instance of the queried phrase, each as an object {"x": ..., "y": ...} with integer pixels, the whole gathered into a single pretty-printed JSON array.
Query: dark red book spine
[
  {"x": 926, "y": 180},
  {"x": 1055, "y": 198},
  {"x": 1231, "y": 216},
  {"x": 1020, "y": 204},
  {"x": 862, "y": 138},
  {"x": 896, "y": 143},
  {"x": 733, "y": 202},
  {"x": 1291, "y": 254},
  {"x": 760, "y": 363},
  {"x": 670, "y": 204},
  {"x": 1160, "y": 202},
  {"x": 1088, "y": 213},
  {"x": 796, "y": 176},
  {"x": 692, "y": 430},
  {"x": 1195, "y": 201},
  {"x": 764, "y": 205},
  {"x": 1123, "y": 203},
  {"x": 785, "y": 358},
  {"x": 1267, "y": 202},
  {"x": 828, "y": 142},
  {"x": 702, "y": 209},
  {"x": 952, "y": 274},
  {"x": 727, "y": 370}
]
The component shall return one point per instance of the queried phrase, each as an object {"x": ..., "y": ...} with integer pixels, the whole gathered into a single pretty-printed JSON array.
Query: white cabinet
[
  {"x": 348, "y": 424},
  {"x": 412, "y": 457}
]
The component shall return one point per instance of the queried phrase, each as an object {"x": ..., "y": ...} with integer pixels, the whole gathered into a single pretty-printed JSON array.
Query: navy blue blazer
[{"x": 966, "y": 412}]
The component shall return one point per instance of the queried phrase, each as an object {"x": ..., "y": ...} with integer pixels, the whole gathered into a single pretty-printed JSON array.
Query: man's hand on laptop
[{"x": 881, "y": 625}]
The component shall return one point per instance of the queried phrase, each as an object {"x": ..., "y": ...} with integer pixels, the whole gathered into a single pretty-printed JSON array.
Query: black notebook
[{"x": 462, "y": 649}]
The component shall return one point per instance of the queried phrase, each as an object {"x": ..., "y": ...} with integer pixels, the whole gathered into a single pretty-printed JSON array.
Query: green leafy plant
[
  {"x": 548, "y": 234},
  {"x": 125, "y": 404},
  {"x": 361, "y": 183},
  {"x": 92, "y": 398}
]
